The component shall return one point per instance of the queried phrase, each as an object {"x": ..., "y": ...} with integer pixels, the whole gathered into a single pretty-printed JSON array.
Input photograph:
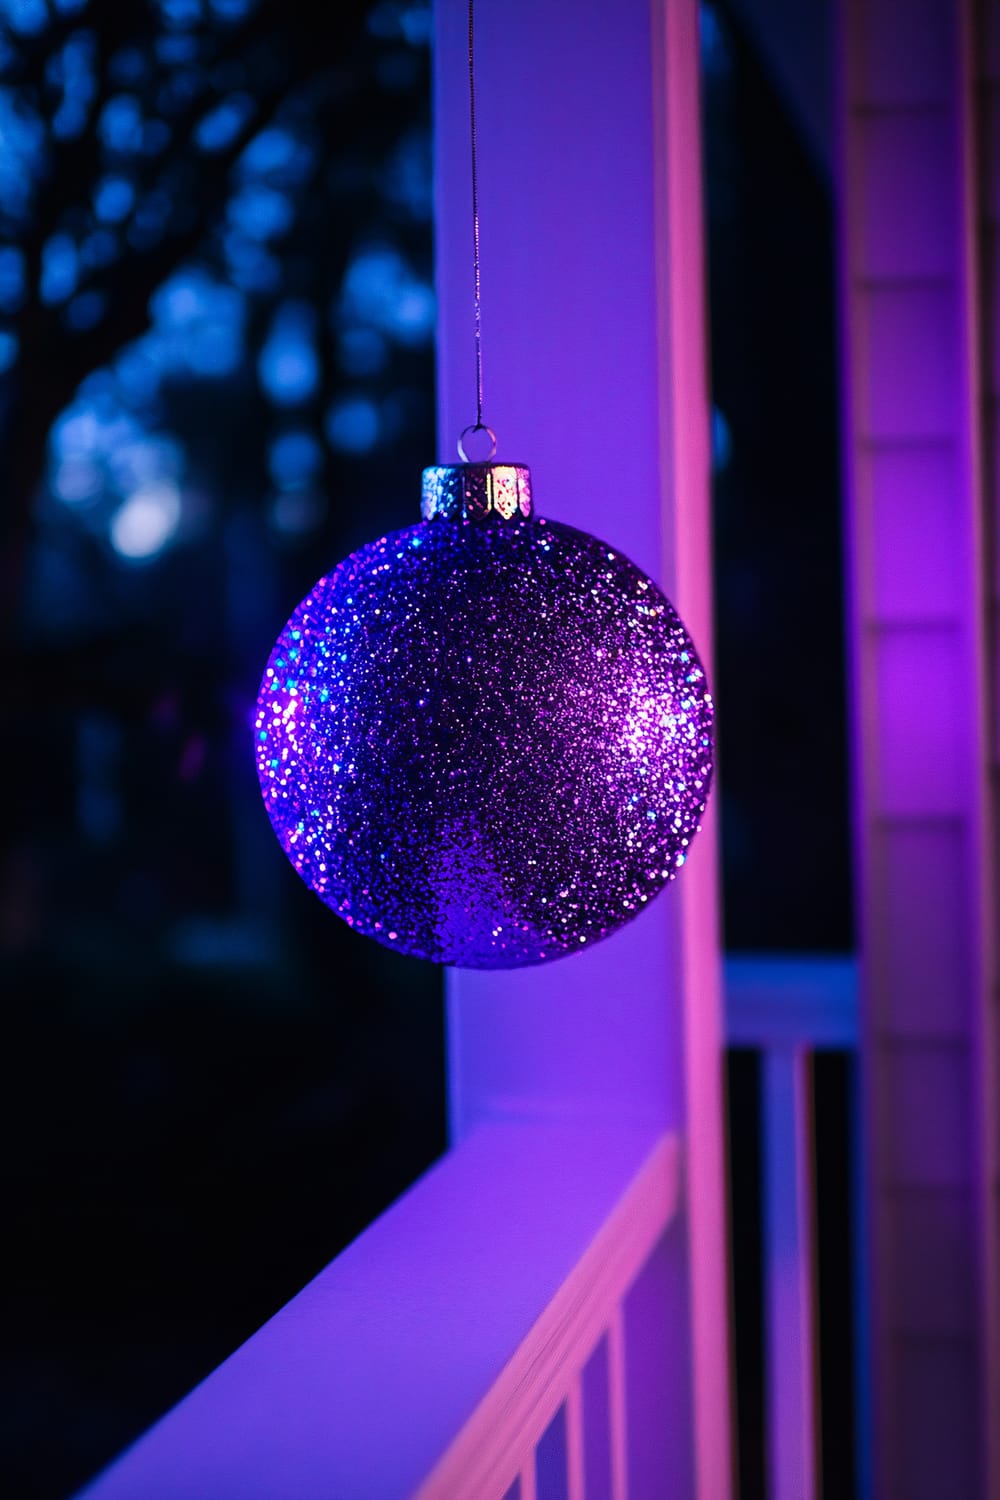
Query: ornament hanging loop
[{"x": 467, "y": 432}]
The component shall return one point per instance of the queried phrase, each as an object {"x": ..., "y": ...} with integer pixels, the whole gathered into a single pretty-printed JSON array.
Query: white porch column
[{"x": 594, "y": 353}]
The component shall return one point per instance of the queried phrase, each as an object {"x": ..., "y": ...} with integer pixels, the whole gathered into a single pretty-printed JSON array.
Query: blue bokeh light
[
  {"x": 146, "y": 522},
  {"x": 252, "y": 267},
  {"x": 353, "y": 424},
  {"x": 180, "y": 13},
  {"x": 222, "y": 125},
  {"x": 232, "y": 10},
  {"x": 277, "y": 154},
  {"x": 73, "y": 69},
  {"x": 289, "y": 365},
  {"x": 113, "y": 199},
  {"x": 121, "y": 125},
  {"x": 382, "y": 290},
  {"x": 407, "y": 178},
  {"x": 60, "y": 269},
  {"x": 295, "y": 457},
  {"x": 28, "y": 17},
  {"x": 22, "y": 153},
  {"x": 177, "y": 48},
  {"x": 722, "y": 440},
  {"x": 197, "y": 325},
  {"x": 715, "y": 46},
  {"x": 261, "y": 211},
  {"x": 9, "y": 348}
]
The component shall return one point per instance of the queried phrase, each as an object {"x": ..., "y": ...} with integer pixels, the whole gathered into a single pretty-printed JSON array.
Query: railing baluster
[
  {"x": 574, "y": 1439},
  {"x": 617, "y": 1412},
  {"x": 789, "y": 1280},
  {"x": 786, "y": 1007}
]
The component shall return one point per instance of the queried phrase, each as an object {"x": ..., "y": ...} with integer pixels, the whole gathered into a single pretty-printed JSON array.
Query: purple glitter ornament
[{"x": 485, "y": 740}]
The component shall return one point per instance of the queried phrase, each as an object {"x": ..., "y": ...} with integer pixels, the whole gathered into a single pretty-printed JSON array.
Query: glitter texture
[{"x": 485, "y": 740}]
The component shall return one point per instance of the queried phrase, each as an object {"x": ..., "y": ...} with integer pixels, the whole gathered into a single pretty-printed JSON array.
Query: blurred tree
[
  {"x": 216, "y": 376},
  {"x": 186, "y": 196}
]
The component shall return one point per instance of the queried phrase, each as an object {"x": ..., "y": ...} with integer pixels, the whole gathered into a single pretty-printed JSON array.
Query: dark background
[{"x": 216, "y": 378}]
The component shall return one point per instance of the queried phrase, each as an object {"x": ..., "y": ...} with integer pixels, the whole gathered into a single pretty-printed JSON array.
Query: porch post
[{"x": 594, "y": 353}]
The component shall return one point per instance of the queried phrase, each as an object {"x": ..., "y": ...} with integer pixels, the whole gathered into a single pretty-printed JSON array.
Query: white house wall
[{"x": 914, "y": 437}]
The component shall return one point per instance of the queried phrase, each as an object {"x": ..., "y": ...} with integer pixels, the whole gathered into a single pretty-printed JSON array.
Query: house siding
[{"x": 916, "y": 426}]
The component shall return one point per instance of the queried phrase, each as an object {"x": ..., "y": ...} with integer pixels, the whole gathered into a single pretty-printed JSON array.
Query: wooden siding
[{"x": 914, "y": 436}]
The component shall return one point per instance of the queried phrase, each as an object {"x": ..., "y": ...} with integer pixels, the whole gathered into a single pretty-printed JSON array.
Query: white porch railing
[
  {"x": 471, "y": 1343},
  {"x": 498, "y": 1448},
  {"x": 483, "y": 1339}
]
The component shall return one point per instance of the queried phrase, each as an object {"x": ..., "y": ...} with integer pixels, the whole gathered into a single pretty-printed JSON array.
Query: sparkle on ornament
[{"x": 485, "y": 743}]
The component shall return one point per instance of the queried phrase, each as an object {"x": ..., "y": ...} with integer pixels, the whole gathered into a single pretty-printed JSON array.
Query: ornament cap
[{"x": 473, "y": 492}]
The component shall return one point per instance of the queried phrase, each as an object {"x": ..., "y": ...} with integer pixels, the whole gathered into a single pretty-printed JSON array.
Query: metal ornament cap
[
  {"x": 471, "y": 492},
  {"x": 486, "y": 739}
]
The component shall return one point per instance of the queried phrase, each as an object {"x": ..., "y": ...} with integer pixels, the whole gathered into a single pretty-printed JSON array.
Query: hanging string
[
  {"x": 479, "y": 425},
  {"x": 475, "y": 214}
]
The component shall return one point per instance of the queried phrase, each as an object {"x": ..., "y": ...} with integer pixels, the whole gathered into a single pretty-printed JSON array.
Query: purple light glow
[{"x": 486, "y": 743}]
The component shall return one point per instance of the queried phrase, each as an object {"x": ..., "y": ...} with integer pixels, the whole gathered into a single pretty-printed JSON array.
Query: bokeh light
[{"x": 146, "y": 521}]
